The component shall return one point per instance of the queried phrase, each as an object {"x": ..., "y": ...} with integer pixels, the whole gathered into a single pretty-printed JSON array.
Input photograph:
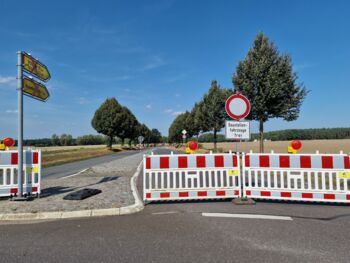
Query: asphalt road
[
  {"x": 178, "y": 232},
  {"x": 72, "y": 168}
]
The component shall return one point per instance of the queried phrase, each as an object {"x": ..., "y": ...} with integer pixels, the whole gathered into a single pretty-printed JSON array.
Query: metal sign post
[
  {"x": 30, "y": 87},
  {"x": 20, "y": 123}
]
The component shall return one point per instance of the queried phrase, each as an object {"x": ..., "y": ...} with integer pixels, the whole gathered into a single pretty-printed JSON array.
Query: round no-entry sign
[{"x": 237, "y": 106}]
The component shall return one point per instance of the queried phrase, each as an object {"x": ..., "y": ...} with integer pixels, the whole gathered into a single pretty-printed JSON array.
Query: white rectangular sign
[{"x": 237, "y": 130}]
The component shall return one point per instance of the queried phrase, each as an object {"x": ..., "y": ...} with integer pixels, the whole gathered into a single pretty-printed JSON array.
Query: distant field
[
  {"x": 64, "y": 154},
  {"x": 309, "y": 146}
]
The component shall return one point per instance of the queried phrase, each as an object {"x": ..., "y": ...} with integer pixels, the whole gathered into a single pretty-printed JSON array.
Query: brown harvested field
[{"x": 309, "y": 146}]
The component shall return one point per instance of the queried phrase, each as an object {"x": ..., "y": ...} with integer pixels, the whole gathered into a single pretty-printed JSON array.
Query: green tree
[
  {"x": 210, "y": 114},
  {"x": 145, "y": 132},
  {"x": 156, "y": 136},
  {"x": 267, "y": 79},
  {"x": 55, "y": 140},
  {"x": 178, "y": 125},
  {"x": 108, "y": 119},
  {"x": 129, "y": 126}
]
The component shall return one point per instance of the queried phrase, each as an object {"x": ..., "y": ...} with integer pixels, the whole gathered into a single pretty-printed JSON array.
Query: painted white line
[
  {"x": 248, "y": 216},
  {"x": 74, "y": 174},
  {"x": 165, "y": 213}
]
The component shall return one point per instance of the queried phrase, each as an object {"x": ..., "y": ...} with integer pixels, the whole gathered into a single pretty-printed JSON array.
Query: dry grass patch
[{"x": 57, "y": 156}]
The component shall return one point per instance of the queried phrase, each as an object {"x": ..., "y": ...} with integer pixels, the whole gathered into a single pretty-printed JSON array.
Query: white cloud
[
  {"x": 149, "y": 106},
  {"x": 83, "y": 101},
  {"x": 8, "y": 81},
  {"x": 175, "y": 113},
  {"x": 11, "y": 111},
  {"x": 168, "y": 110},
  {"x": 155, "y": 62}
]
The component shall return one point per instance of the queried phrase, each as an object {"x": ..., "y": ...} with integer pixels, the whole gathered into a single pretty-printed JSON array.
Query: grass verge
[{"x": 57, "y": 157}]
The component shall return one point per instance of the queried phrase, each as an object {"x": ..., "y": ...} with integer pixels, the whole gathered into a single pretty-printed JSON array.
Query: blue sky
[{"x": 159, "y": 57}]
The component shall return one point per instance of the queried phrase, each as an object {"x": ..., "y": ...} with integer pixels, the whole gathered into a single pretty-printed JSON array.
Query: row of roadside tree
[
  {"x": 265, "y": 77},
  {"x": 117, "y": 121}
]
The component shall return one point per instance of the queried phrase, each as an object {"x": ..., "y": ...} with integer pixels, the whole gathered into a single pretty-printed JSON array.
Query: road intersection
[{"x": 201, "y": 231}]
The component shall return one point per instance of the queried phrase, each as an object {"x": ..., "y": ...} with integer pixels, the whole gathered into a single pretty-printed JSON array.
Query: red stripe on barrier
[
  {"x": 148, "y": 195},
  {"x": 200, "y": 161},
  {"x": 286, "y": 194},
  {"x": 220, "y": 193},
  {"x": 13, "y": 190},
  {"x": 35, "y": 158},
  {"x": 148, "y": 163},
  {"x": 329, "y": 196},
  {"x": 248, "y": 192},
  {"x": 219, "y": 160},
  {"x": 234, "y": 160},
  {"x": 14, "y": 158},
  {"x": 164, "y": 162},
  {"x": 182, "y": 162},
  {"x": 347, "y": 197},
  {"x": 307, "y": 195},
  {"x": 305, "y": 161},
  {"x": 247, "y": 161},
  {"x": 236, "y": 192},
  {"x": 164, "y": 195},
  {"x": 284, "y": 161},
  {"x": 202, "y": 193},
  {"x": 264, "y": 161},
  {"x": 265, "y": 193},
  {"x": 183, "y": 194},
  {"x": 34, "y": 189},
  {"x": 327, "y": 162},
  {"x": 346, "y": 162}
]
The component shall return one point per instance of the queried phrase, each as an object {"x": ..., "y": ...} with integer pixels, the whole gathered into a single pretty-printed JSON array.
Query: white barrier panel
[
  {"x": 198, "y": 176},
  {"x": 302, "y": 177},
  {"x": 9, "y": 173}
]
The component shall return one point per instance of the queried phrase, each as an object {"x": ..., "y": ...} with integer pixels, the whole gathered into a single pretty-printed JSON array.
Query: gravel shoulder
[{"x": 112, "y": 178}]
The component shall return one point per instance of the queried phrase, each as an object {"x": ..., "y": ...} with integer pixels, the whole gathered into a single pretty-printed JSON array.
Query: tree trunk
[
  {"x": 123, "y": 139},
  {"x": 110, "y": 142},
  {"x": 261, "y": 132},
  {"x": 215, "y": 139}
]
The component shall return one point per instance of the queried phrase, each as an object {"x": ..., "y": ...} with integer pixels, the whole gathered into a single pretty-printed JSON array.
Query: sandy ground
[{"x": 309, "y": 146}]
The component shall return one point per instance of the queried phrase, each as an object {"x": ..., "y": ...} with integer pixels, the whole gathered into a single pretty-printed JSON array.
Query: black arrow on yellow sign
[
  {"x": 35, "y": 67},
  {"x": 35, "y": 89}
]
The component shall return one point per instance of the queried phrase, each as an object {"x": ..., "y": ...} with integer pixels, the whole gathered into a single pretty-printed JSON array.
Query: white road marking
[
  {"x": 165, "y": 213},
  {"x": 248, "y": 216},
  {"x": 74, "y": 174}
]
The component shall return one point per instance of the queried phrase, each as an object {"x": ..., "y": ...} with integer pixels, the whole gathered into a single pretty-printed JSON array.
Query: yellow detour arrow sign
[
  {"x": 35, "y": 67},
  {"x": 35, "y": 89}
]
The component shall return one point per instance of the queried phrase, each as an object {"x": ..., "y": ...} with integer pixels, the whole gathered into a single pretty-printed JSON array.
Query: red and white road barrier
[
  {"x": 199, "y": 176},
  {"x": 9, "y": 172},
  {"x": 303, "y": 177}
]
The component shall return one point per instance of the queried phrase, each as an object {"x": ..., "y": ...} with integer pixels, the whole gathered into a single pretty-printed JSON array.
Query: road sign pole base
[{"x": 243, "y": 201}]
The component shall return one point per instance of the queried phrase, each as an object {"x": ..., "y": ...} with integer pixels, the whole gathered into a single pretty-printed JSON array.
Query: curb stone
[{"x": 136, "y": 207}]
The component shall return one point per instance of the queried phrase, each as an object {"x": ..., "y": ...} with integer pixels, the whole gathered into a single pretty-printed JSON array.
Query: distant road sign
[
  {"x": 35, "y": 89},
  {"x": 140, "y": 139},
  {"x": 237, "y": 106},
  {"x": 35, "y": 67},
  {"x": 237, "y": 130}
]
